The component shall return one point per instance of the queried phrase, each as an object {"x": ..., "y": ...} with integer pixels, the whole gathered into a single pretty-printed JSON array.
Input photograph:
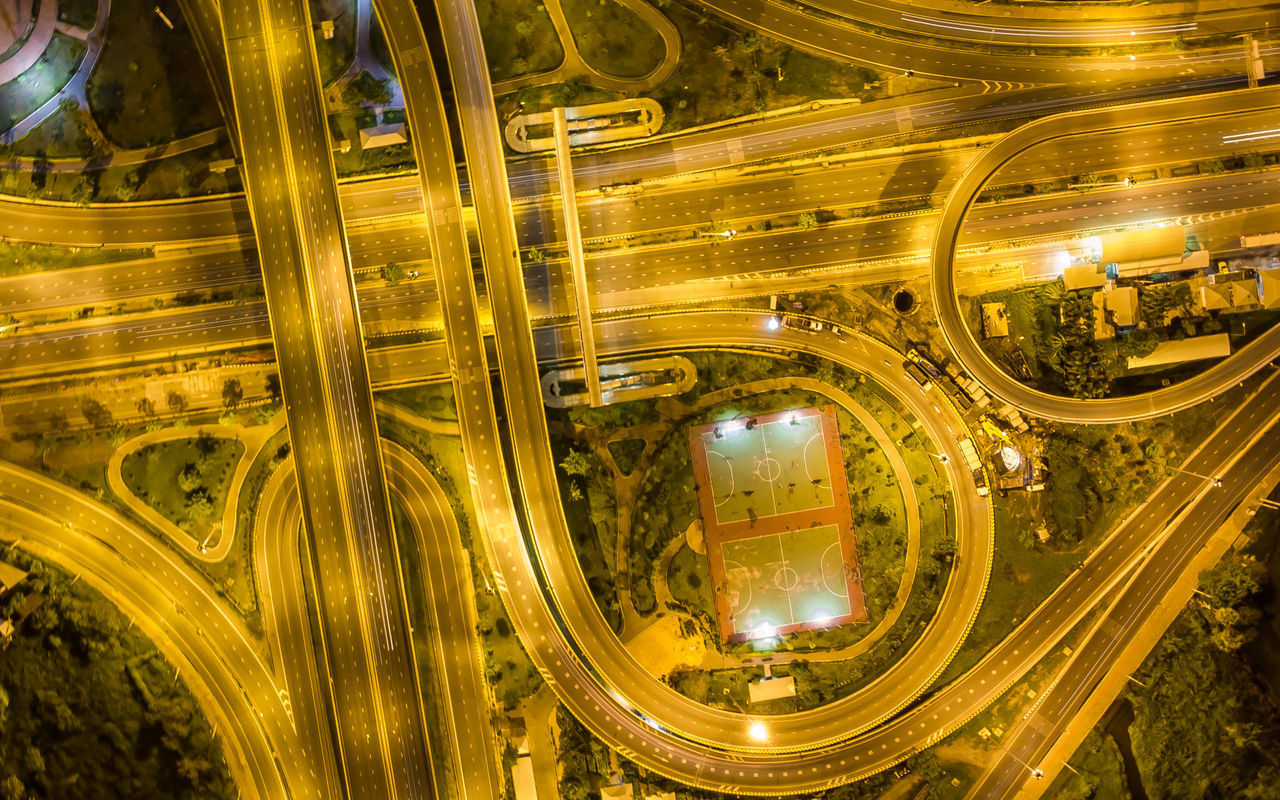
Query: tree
[
  {"x": 273, "y": 386},
  {"x": 536, "y": 256},
  {"x": 392, "y": 273},
  {"x": 232, "y": 394},
  {"x": 98, "y": 415},
  {"x": 190, "y": 479},
  {"x": 365, "y": 88},
  {"x": 808, "y": 220},
  {"x": 176, "y": 401},
  {"x": 82, "y": 193},
  {"x": 576, "y": 463},
  {"x": 199, "y": 505}
]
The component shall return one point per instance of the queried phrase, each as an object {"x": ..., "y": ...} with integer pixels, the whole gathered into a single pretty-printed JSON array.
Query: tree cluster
[{"x": 89, "y": 709}]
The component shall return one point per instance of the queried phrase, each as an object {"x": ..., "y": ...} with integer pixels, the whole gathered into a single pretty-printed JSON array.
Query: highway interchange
[{"x": 351, "y": 722}]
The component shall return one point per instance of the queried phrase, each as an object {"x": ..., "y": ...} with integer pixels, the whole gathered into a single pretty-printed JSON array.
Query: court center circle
[
  {"x": 786, "y": 578},
  {"x": 768, "y": 469}
]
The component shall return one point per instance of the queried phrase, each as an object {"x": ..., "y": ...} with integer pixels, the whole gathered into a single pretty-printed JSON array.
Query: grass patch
[
  {"x": 519, "y": 38},
  {"x": 81, "y": 13},
  {"x": 335, "y": 55},
  {"x": 552, "y": 95},
  {"x": 725, "y": 71},
  {"x": 1099, "y": 772},
  {"x": 626, "y": 454},
  {"x": 182, "y": 175},
  {"x": 185, "y": 479},
  {"x": 147, "y": 87},
  {"x": 1096, "y": 475},
  {"x": 17, "y": 258},
  {"x": 90, "y": 702},
  {"x": 33, "y": 88},
  {"x": 612, "y": 38},
  {"x": 590, "y": 511},
  {"x": 432, "y": 400},
  {"x": 61, "y": 135}
]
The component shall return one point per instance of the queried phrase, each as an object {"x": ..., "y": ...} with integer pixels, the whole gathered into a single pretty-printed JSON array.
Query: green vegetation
[
  {"x": 430, "y": 400},
  {"x": 626, "y": 454},
  {"x": 1096, "y": 475},
  {"x": 24, "y": 94},
  {"x": 81, "y": 13},
  {"x": 591, "y": 513},
  {"x": 612, "y": 39},
  {"x": 1099, "y": 772},
  {"x": 519, "y": 38},
  {"x": 364, "y": 89},
  {"x": 392, "y": 273},
  {"x": 335, "y": 55},
  {"x": 148, "y": 87},
  {"x": 185, "y": 479},
  {"x": 725, "y": 71},
  {"x": 62, "y": 134},
  {"x": 17, "y": 258},
  {"x": 89, "y": 708}
]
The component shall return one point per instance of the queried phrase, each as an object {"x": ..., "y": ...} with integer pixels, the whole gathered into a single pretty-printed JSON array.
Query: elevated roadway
[
  {"x": 810, "y": 769},
  {"x": 939, "y": 56},
  {"x": 961, "y": 339},
  {"x": 379, "y": 729},
  {"x": 1149, "y": 589},
  {"x": 195, "y": 629}
]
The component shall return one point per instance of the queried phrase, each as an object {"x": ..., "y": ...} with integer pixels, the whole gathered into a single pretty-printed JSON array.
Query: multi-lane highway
[
  {"x": 963, "y": 341},
  {"x": 363, "y": 722},
  {"x": 380, "y": 731}
]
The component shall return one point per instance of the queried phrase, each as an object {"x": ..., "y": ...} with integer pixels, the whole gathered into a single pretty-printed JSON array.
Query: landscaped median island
[
  {"x": 89, "y": 707},
  {"x": 757, "y": 523}
]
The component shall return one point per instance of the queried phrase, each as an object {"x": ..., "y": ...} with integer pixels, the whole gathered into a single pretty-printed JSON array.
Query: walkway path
[
  {"x": 74, "y": 88},
  {"x": 364, "y": 61},
  {"x": 30, "y": 51},
  {"x": 910, "y": 501},
  {"x": 575, "y": 68},
  {"x": 120, "y": 158},
  {"x": 253, "y": 438}
]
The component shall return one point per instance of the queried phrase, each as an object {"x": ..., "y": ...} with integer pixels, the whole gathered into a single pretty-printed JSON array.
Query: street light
[
  {"x": 1036, "y": 772},
  {"x": 1216, "y": 480},
  {"x": 758, "y": 732}
]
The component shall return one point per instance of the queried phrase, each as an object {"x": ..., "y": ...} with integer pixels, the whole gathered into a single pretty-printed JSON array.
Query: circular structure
[
  {"x": 904, "y": 301},
  {"x": 786, "y": 578},
  {"x": 15, "y": 19},
  {"x": 768, "y": 469},
  {"x": 722, "y": 466}
]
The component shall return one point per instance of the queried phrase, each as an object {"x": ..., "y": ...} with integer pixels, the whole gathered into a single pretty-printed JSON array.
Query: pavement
[
  {"x": 961, "y": 339},
  {"x": 219, "y": 543},
  {"x": 380, "y": 733},
  {"x": 196, "y": 630},
  {"x": 29, "y": 52},
  {"x": 1157, "y": 591},
  {"x": 576, "y": 68},
  {"x": 74, "y": 88}
]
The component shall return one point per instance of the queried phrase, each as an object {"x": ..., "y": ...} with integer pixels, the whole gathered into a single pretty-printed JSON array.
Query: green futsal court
[
  {"x": 780, "y": 582},
  {"x": 779, "y": 465}
]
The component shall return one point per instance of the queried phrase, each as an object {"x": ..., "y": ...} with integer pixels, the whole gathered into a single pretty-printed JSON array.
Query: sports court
[
  {"x": 774, "y": 467},
  {"x": 774, "y": 504}
]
